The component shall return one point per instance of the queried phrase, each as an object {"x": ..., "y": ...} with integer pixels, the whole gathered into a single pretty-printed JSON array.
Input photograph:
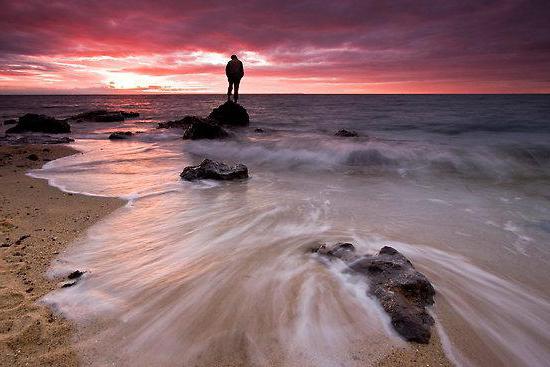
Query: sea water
[{"x": 210, "y": 273}]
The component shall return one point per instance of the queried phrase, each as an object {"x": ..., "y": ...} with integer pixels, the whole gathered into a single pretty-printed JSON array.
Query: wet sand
[{"x": 30, "y": 333}]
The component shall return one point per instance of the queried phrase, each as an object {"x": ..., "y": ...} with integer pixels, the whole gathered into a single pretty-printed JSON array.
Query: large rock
[
  {"x": 104, "y": 116},
  {"x": 402, "y": 291},
  {"x": 212, "y": 170},
  {"x": 40, "y": 123},
  {"x": 202, "y": 128},
  {"x": 230, "y": 113},
  {"x": 120, "y": 135},
  {"x": 182, "y": 123}
]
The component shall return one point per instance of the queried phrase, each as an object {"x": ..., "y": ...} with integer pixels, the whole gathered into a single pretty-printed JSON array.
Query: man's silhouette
[{"x": 234, "y": 71}]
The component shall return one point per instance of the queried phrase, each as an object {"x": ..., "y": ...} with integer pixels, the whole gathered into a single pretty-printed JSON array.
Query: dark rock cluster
[
  {"x": 402, "y": 291},
  {"x": 227, "y": 114},
  {"x": 212, "y": 170},
  {"x": 32, "y": 122}
]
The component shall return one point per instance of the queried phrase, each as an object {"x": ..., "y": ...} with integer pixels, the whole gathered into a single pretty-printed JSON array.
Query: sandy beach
[{"x": 37, "y": 222}]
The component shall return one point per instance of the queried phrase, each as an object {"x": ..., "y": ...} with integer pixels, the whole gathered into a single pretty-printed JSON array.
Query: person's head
[{"x": 233, "y": 57}]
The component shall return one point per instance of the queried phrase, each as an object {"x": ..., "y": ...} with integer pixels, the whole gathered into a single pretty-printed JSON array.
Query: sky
[{"x": 340, "y": 46}]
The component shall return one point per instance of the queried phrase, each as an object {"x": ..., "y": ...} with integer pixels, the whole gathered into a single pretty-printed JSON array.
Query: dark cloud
[{"x": 367, "y": 41}]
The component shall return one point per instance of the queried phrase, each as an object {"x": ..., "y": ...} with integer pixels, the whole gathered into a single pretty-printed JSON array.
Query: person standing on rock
[{"x": 234, "y": 71}]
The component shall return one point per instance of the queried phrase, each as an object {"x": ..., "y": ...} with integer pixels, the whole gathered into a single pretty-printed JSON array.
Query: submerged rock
[
  {"x": 346, "y": 133},
  {"x": 202, "y": 128},
  {"x": 402, "y": 291},
  {"x": 230, "y": 113},
  {"x": 104, "y": 116},
  {"x": 32, "y": 122},
  {"x": 120, "y": 135},
  {"x": 212, "y": 170}
]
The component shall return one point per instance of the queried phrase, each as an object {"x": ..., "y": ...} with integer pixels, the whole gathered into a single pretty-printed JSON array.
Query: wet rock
[
  {"x": 32, "y": 157},
  {"x": 230, "y": 113},
  {"x": 402, "y": 291},
  {"x": 212, "y": 170},
  {"x": 104, "y": 116},
  {"x": 32, "y": 122},
  {"x": 34, "y": 139},
  {"x": 75, "y": 274},
  {"x": 346, "y": 133},
  {"x": 120, "y": 135},
  {"x": 10, "y": 122},
  {"x": 182, "y": 123},
  {"x": 202, "y": 128}
]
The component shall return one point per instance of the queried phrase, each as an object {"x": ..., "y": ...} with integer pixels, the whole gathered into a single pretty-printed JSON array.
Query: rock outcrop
[
  {"x": 346, "y": 133},
  {"x": 230, "y": 113},
  {"x": 120, "y": 135},
  {"x": 104, "y": 116},
  {"x": 402, "y": 291},
  {"x": 32, "y": 122},
  {"x": 204, "y": 128},
  {"x": 212, "y": 170}
]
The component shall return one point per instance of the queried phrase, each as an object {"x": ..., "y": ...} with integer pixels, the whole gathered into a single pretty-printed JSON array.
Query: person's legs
[
  {"x": 229, "y": 89},
  {"x": 237, "y": 82}
]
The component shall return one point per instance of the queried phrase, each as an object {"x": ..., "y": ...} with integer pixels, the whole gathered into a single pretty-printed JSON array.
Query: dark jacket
[{"x": 234, "y": 69}]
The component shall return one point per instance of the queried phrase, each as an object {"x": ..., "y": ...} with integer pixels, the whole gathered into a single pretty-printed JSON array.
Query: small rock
[
  {"x": 10, "y": 122},
  {"x": 212, "y": 170},
  {"x": 21, "y": 239},
  {"x": 32, "y": 157},
  {"x": 69, "y": 284},
  {"x": 75, "y": 274},
  {"x": 259, "y": 131},
  {"x": 346, "y": 133},
  {"x": 120, "y": 135}
]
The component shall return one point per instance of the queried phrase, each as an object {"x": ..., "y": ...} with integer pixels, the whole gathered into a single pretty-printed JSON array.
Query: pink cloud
[{"x": 287, "y": 46}]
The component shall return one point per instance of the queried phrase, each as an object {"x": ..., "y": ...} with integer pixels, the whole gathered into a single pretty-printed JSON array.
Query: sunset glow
[{"x": 287, "y": 47}]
